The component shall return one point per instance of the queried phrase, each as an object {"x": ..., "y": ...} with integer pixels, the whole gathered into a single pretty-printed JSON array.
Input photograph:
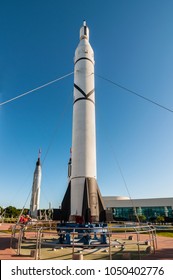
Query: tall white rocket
[
  {"x": 83, "y": 194},
  {"x": 35, "y": 196}
]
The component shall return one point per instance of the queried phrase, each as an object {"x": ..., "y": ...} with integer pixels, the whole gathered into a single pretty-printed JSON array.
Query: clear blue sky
[{"x": 133, "y": 46}]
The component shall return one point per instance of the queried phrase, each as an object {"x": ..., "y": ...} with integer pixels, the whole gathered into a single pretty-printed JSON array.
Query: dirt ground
[{"x": 164, "y": 249}]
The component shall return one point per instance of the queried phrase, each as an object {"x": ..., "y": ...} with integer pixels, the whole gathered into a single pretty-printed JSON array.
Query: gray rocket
[
  {"x": 83, "y": 198},
  {"x": 35, "y": 197}
]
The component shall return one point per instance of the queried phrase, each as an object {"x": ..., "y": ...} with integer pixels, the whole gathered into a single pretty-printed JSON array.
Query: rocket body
[
  {"x": 84, "y": 192},
  {"x": 35, "y": 197},
  {"x": 84, "y": 136}
]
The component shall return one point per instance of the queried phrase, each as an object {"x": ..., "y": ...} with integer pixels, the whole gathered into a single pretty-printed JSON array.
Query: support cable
[
  {"x": 135, "y": 93},
  {"x": 35, "y": 89}
]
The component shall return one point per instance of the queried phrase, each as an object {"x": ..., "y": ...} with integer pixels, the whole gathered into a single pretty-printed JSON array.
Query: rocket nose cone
[{"x": 84, "y": 31}]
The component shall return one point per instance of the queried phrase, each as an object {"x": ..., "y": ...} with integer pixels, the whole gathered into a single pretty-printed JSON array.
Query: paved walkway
[
  {"x": 163, "y": 252},
  {"x": 164, "y": 249},
  {"x": 7, "y": 253}
]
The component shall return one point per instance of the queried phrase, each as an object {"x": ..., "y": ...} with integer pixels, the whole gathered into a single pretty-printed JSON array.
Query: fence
[{"x": 43, "y": 241}]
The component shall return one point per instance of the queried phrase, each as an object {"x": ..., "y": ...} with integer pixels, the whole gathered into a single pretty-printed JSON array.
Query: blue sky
[{"x": 133, "y": 46}]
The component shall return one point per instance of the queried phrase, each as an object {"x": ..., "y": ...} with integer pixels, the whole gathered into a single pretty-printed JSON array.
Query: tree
[
  {"x": 160, "y": 219},
  {"x": 1, "y": 210},
  {"x": 11, "y": 212},
  {"x": 142, "y": 218}
]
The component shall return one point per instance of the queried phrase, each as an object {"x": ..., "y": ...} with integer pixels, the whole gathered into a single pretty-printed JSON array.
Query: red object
[{"x": 79, "y": 219}]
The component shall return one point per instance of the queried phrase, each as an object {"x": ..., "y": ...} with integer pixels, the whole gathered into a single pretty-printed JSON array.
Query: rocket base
[{"x": 88, "y": 214}]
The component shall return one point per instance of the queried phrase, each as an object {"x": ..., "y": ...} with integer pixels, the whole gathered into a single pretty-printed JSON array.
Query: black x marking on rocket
[{"x": 86, "y": 96}]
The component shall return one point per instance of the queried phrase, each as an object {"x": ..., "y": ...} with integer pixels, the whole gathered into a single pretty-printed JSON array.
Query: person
[
  {"x": 24, "y": 221},
  {"x": 28, "y": 218}
]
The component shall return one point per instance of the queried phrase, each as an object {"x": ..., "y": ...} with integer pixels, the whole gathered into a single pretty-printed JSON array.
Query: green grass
[
  {"x": 8, "y": 220},
  {"x": 165, "y": 233},
  {"x": 5, "y": 231}
]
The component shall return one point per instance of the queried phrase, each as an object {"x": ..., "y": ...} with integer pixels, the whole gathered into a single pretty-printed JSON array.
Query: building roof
[{"x": 114, "y": 201}]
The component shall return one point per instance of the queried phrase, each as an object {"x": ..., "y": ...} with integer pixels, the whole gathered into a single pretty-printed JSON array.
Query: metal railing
[{"x": 37, "y": 239}]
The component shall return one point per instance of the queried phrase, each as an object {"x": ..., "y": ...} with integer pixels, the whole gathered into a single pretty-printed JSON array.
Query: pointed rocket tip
[
  {"x": 84, "y": 31},
  {"x": 39, "y": 153}
]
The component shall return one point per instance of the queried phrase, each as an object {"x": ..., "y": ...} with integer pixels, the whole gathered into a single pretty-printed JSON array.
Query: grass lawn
[{"x": 165, "y": 233}]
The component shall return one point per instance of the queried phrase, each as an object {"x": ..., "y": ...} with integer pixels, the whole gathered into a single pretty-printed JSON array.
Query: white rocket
[
  {"x": 35, "y": 197},
  {"x": 83, "y": 198}
]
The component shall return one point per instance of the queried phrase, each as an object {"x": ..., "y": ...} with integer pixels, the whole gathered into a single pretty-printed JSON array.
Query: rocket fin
[{"x": 66, "y": 204}]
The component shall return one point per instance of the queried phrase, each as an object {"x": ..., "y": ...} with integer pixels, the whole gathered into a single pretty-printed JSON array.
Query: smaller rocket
[{"x": 35, "y": 197}]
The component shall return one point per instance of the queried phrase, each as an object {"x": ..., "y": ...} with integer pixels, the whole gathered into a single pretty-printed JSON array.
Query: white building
[{"x": 124, "y": 208}]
